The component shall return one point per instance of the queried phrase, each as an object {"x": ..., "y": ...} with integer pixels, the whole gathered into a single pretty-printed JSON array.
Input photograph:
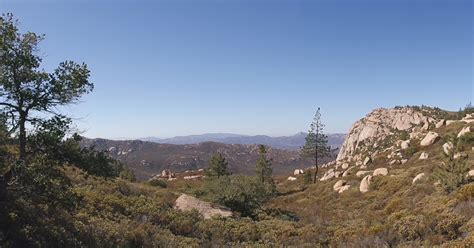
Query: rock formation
[{"x": 188, "y": 203}]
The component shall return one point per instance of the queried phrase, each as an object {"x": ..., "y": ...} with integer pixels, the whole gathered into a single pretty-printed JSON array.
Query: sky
[{"x": 167, "y": 68}]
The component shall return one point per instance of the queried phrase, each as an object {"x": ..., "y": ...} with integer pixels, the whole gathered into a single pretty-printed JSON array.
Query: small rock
[
  {"x": 424, "y": 155},
  {"x": 337, "y": 174},
  {"x": 345, "y": 166},
  {"x": 405, "y": 144},
  {"x": 367, "y": 160},
  {"x": 380, "y": 172},
  {"x": 328, "y": 175},
  {"x": 339, "y": 184},
  {"x": 440, "y": 123},
  {"x": 394, "y": 162},
  {"x": 344, "y": 188},
  {"x": 291, "y": 178},
  {"x": 429, "y": 139},
  {"x": 404, "y": 161},
  {"x": 361, "y": 173},
  {"x": 364, "y": 184},
  {"x": 460, "y": 155},
  {"x": 470, "y": 173},
  {"x": 418, "y": 177},
  {"x": 447, "y": 147},
  {"x": 298, "y": 172},
  {"x": 464, "y": 131},
  {"x": 347, "y": 172}
]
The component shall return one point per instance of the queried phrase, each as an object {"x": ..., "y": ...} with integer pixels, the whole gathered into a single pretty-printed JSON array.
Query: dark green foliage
[
  {"x": 263, "y": 168},
  {"x": 128, "y": 175},
  {"x": 158, "y": 183},
  {"x": 404, "y": 135},
  {"x": 307, "y": 177},
  {"x": 466, "y": 141},
  {"x": 26, "y": 90},
  {"x": 468, "y": 109},
  {"x": 240, "y": 193},
  {"x": 452, "y": 173},
  {"x": 217, "y": 166}
]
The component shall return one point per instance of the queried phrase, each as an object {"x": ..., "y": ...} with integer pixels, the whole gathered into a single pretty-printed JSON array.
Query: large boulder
[
  {"x": 364, "y": 184},
  {"x": 405, "y": 144},
  {"x": 424, "y": 155},
  {"x": 429, "y": 139},
  {"x": 418, "y": 177},
  {"x": 464, "y": 131},
  {"x": 380, "y": 172},
  {"x": 188, "y": 203},
  {"x": 448, "y": 147}
]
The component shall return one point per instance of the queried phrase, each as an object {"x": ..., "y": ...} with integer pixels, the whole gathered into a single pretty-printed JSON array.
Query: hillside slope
[{"x": 147, "y": 158}]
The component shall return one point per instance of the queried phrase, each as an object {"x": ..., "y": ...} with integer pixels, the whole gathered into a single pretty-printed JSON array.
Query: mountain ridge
[{"x": 292, "y": 142}]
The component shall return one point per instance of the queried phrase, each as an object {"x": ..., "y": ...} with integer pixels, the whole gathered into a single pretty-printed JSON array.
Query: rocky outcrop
[
  {"x": 377, "y": 125},
  {"x": 188, "y": 203},
  {"x": 380, "y": 172},
  {"x": 464, "y": 131},
  {"x": 365, "y": 183},
  {"x": 429, "y": 139},
  {"x": 418, "y": 177}
]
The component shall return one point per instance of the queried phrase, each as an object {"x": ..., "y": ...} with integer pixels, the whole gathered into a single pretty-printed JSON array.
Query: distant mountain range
[{"x": 292, "y": 143}]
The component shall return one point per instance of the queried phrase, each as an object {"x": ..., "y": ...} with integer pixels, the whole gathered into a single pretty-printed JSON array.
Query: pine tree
[
  {"x": 217, "y": 166},
  {"x": 263, "y": 167},
  {"x": 452, "y": 173},
  {"x": 316, "y": 142}
]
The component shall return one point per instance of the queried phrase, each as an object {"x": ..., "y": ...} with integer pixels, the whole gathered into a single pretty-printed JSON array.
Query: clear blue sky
[{"x": 165, "y": 68}]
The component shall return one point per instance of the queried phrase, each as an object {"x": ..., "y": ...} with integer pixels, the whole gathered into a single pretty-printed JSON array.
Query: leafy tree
[
  {"x": 217, "y": 166},
  {"x": 452, "y": 173},
  {"x": 27, "y": 92},
  {"x": 316, "y": 145},
  {"x": 264, "y": 166}
]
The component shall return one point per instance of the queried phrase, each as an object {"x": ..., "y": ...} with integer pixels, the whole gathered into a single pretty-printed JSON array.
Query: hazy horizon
[{"x": 168, "y": 68}]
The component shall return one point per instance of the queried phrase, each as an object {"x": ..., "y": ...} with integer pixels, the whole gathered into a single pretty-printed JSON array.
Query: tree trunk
[
  {"x": 316, "y": 156},
  {"x": 22, "y": 135}
]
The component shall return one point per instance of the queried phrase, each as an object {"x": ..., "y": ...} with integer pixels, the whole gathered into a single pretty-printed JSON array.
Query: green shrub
[
  {"x": 240, "y": 193},
  {"x": 158, "y": 183}
]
